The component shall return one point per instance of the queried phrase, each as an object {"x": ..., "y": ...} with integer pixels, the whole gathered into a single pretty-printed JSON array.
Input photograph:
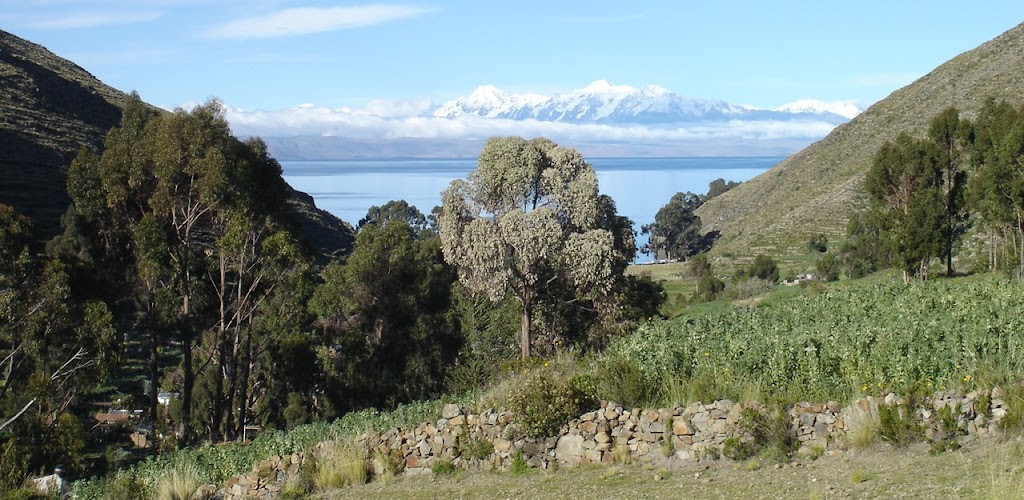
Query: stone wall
[{"x": 615, "y": 433}]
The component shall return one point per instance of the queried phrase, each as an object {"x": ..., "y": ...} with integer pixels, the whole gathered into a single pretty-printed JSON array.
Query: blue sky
[{"x": 279, "y": 54}]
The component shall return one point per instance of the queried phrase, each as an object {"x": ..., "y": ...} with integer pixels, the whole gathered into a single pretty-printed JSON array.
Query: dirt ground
[{"x": 979, "y": 469}]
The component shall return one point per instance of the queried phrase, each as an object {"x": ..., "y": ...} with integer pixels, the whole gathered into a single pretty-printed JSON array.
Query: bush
[
  {"x": 735, "y": 449},
  {"x": 708, "y": 288},
  {"x": 828, "y": 267},
  {"x": 443, "y": 468},
  {"x": 544, "y": 404},
  {"x": 896, "y": 425},
  {"x": 519, "y": 465},
  {"x": 764, "y": 268},
  {"x": 179, "y": 484},
  {"x": 623, "y": 380},
  {"x": 345, "y": 466},
  {"x": 477, "y": 449},
  {"x": 818, "y": 243}
]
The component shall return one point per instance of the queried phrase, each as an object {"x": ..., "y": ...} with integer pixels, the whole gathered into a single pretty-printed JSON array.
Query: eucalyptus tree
[
  {"x": 528, "y": 216},
  {"x": 953, "y": 136},
  {"x": 997, "y": 185},
  {"x": 904, "y": 182}
]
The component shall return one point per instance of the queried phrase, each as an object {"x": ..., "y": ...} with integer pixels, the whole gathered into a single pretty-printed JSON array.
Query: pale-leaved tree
[{"x": 524, "y": 219}]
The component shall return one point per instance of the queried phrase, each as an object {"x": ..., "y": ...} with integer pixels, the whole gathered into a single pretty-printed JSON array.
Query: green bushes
[{"x": 544, "y": 403}]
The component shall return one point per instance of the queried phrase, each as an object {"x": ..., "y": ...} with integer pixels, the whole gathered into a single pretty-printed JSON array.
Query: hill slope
[
  {"x": 816, "y": 189},
  {"x": 50, "y": 108}
]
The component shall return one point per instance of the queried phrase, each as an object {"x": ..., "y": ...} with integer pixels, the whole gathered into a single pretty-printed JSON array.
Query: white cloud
[
  {"x": 95, "y": 19},
  {"x": 392, "y": 120},
  {"x": 308, "y": 20}
]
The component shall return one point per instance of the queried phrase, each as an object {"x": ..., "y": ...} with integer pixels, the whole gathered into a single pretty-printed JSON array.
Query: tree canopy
[{"x": 526, "y": 217}]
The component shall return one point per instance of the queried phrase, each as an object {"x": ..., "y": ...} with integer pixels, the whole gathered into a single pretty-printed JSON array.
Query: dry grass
[
  {"x": 344, "y": 465},
  {"x": 862, "y": 425},
  {"x": 180, "y": 483}
]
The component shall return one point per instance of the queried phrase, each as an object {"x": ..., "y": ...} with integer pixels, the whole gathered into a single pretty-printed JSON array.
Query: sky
[{"x": 284, "y": 57}]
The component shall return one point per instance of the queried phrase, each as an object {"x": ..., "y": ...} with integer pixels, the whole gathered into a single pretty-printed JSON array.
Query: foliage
[
  {"x": 764, "y": 268},
  {"x": 179, "y": 484},
  {"x": 443, "y": 468},
  {"x": 344, "y": 465},
  {"x": 829, "y": 345},
  {"x": 477, "y": 449},
  {"x": 518, "y": 465},
  {"x": 719, "y": 186},
  {"x": 828, "y": 267},
  {"x": 530, "y": 214},
  {"x": 896, "y": 424},
  {"x": 398, "y": 210},
  {"x": 735, "y": 449},
  {"x": 818, "y": 243},
  {"x": 708, "y": 288},
  {"x": 386, "y": 308},
  {"x": 676, "y": 230},
  {"x": 544, "y": 403}
]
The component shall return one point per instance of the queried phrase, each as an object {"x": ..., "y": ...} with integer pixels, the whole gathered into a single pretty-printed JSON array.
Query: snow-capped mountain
[
  {"x": 845, "y": 109},
  {"x": 605, "y": 103}
]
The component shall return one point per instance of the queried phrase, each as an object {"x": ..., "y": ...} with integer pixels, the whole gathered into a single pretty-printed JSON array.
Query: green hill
[
  {"x": 816, "y": 189},
  {"x": 50, "y": 108}
]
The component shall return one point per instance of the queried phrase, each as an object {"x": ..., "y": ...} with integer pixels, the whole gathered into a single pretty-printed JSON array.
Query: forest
[{"x": 180, "y": 290}]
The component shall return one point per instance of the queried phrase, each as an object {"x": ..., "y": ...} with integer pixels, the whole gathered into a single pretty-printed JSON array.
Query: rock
[
  {"x": 569, "y": 449},
  {"x": 457, "y": 420},
  {"x": 450, "y": 410},
  {"x": 424, "y": 448},
  {"x": 657, "y": 427},
  {"x": 602, "y": 438},
  {"x": 681, "y": 428},
  {"x": 502, "y": 445},
  {"x": 588, "y": 426},
  {"x": 593, "y": 456}
]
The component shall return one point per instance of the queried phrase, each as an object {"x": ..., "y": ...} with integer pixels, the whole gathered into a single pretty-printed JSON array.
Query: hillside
[
  {"x": 50, "y": 108},
  {"x": 816, "y": 189}
]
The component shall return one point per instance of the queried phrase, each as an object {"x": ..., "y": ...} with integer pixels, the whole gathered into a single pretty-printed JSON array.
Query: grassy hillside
[
  {"x": 816, "y": 189},
  {"x": 50, "y": 108}
]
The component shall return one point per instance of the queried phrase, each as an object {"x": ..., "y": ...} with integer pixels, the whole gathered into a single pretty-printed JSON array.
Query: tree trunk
[
  {"x": 154, "y": 380},
  {"x": 186, "y": 392},
  {"x": 526, "y": 334}
]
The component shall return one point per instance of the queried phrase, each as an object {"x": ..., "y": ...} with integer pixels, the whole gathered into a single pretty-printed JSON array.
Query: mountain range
[
  {"x": 601, "y": 102},
  {"x": 600, "y": 119}
]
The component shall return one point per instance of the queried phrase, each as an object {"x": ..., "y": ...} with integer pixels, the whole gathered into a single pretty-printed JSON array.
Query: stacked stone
[
  {"x": 601, "y": 436},
  {"x": 817, "y": 424}
]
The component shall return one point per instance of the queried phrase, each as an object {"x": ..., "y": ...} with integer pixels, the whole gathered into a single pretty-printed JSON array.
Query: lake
[{"x": 639, "y": 186}]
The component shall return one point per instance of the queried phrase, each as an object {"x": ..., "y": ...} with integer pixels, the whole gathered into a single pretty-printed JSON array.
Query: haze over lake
[{"x": 639, "y": 186}]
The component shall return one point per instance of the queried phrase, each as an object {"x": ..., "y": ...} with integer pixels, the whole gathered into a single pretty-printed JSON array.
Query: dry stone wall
[{"x": 616, "y": 433}]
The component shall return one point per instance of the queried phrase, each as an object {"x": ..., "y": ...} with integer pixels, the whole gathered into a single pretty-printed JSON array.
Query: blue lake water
[{"x": 639, "y": 186}]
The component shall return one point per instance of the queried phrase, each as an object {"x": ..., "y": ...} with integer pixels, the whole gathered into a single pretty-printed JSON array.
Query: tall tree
[
  {"x": 952, "y": 135},
  {"x": 997, "y": 186},
  {"x": 527, "y": 216},
  {"x": 676, "y": 227},
  {"x": 904, "y": 182}
]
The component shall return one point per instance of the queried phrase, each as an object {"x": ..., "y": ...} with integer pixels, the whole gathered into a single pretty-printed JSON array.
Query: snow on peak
[
  {"x": 846, "y": 109},
  {"x": 604, "y": 87}
]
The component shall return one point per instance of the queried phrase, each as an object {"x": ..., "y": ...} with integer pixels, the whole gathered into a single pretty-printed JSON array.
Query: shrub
[
  {"x": 345, "y": 466},
  {"x": 179, "y": 484},
  {"x": 519, "y": 465},
  {"x": 443, "y": 468},
  {"x": 543, "y": 403},
  {"x": 736, "y": 449},
  {"x": 477, "y": 449},
  {"x": 622, "y": 380},
  {"x": 862, "y": 426},
  {"x": 896, "y": 425},
  {"x": 828, "y": 267},
  {"x": 818, "y": 243},
  {"x": 1013, "y": 420},
  {"x": 764, "y": 268},
  {"x": 709, "y": 288}
]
